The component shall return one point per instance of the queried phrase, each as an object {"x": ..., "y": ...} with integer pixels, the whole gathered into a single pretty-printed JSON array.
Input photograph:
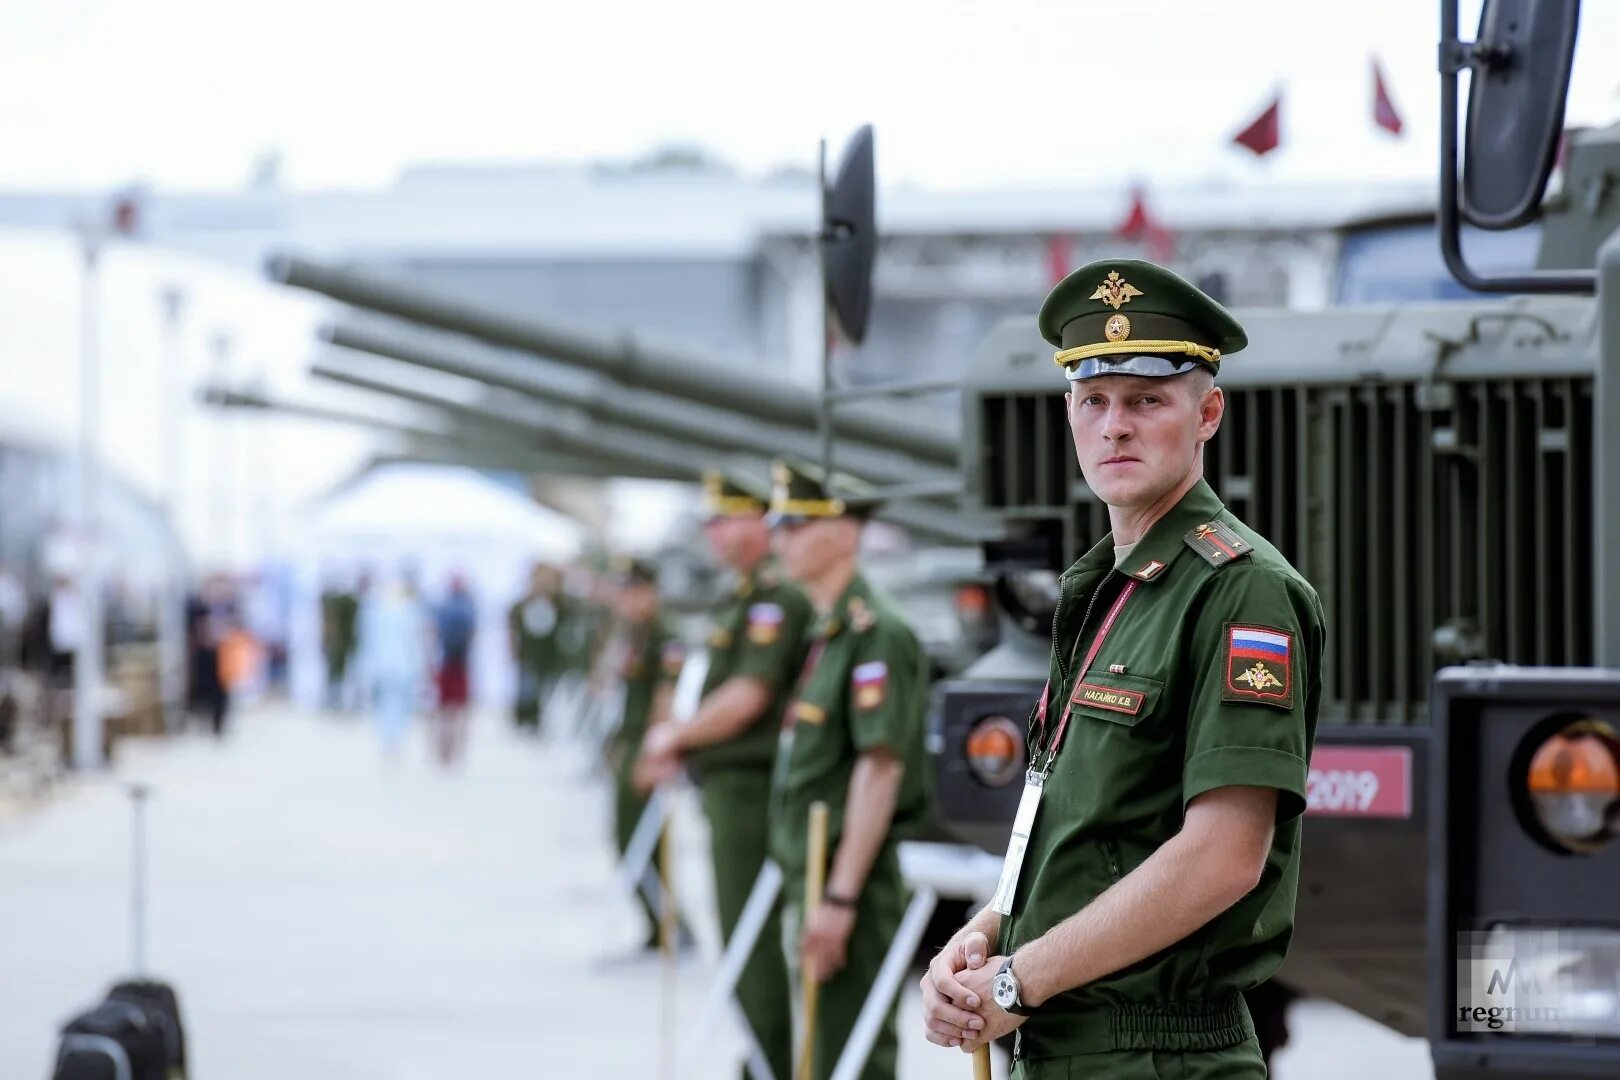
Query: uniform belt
[{"x": 1185, "y": 1026}]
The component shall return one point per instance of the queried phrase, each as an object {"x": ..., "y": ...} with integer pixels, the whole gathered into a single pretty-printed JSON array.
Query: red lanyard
[{"x": 1091, "y": 654}]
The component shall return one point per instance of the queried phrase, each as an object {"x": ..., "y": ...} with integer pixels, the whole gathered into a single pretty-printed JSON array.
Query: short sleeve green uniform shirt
[
  {"x": 760, "y": 632},
  {"x": 864, "y": 685},
  {"x": 1194, "y": 665}
]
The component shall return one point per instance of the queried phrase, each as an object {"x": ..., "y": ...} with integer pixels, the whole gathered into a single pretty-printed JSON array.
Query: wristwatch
[{"x": 1005, "y": 990}]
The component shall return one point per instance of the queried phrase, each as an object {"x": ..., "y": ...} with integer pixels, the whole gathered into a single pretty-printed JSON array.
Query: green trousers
[
  {"x": 734, "y": 801},
  {"x": 877, "y": 921},
  {"x": 627, "y": 809},
  {"x": 1240, "y": 1062}
]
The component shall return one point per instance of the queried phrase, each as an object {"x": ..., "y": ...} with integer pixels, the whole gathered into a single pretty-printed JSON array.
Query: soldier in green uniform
[
  {"x": 852, "y": 738},
  {"x": 532, "y": 630},
  {"x": 340, "y": 613},
  {"x": 755, "y": 653},
  {"x": 651, "y": 657},
  {"x": 1155, "y": 857}
]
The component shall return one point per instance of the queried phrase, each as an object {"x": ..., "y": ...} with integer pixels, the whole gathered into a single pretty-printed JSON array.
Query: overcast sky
[{"x": 188, "y": 93}]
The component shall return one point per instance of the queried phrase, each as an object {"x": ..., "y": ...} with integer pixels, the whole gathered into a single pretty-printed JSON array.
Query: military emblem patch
[
  {"x": 1259, "y": 665},
  {"x": 765, "y": 623},
  {"x": 870, "y": 682},
  {"x": 1152, "y": 570},
  {"x": 805, "y": 713}
]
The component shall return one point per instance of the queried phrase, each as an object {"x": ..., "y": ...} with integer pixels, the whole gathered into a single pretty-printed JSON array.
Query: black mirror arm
[{"x": 1455, "y": 57}]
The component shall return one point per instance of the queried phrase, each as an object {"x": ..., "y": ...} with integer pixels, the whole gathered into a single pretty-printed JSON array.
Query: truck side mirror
[
  {"x": 849, "y": 236},
  {"x": 1520, "y": 64},
  {"x": 1516, "y": 108}
]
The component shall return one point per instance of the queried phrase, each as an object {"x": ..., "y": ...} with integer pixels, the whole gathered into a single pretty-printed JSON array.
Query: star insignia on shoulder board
[
  {"x": 861, "y": 618},
  {"x": 1115, "y": 291}
]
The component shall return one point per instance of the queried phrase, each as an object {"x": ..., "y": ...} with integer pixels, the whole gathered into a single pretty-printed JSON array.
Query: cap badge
[
  {"x": 1116, "y": 291},
  {"x": 1117, "y": 328}
]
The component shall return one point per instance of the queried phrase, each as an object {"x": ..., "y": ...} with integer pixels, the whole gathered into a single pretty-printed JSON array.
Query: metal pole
[
  {"x": 138, "y": 794},
  {"x": 824, "y": 406},
  {"x": 223, "y": 499},
  {"x": 172, "y": 617},
  {"x": 87, "y": 662}
]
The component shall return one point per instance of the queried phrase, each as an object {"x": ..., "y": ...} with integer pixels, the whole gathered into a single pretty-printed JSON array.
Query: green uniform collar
[
  {"x": 766, "y": 574},
  {"x": 1157, "y": 552}
]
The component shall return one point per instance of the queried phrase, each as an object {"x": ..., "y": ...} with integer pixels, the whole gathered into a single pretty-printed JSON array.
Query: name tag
[{"x": 1018, "y": 843}]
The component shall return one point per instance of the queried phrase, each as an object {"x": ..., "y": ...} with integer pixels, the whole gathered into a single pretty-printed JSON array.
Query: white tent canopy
[
  {"x": 441, "y": 502},
  {"x": 431, "y": 521}
]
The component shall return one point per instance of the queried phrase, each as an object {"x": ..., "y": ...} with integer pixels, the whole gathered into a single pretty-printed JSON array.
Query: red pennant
[
  {"x": 1384, "y": 113},
  {"x": 1264, "y": 133},
  {"x": 1140, "y": 227}
]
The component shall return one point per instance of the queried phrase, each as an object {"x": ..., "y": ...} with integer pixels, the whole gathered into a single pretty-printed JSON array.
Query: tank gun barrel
[{"x": 633, "y": 359}]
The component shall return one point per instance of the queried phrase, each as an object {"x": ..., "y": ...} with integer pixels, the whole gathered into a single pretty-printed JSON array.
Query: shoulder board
[
  {"x": 861, "y": 616},
  {"x": 1218, "y": 543}
]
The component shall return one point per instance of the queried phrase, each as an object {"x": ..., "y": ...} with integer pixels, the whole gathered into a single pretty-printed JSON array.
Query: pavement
[{"x": 327, "y": 913}]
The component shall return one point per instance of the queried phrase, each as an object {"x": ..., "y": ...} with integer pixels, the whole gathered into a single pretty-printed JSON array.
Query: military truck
[{"x": 1445, "y": 474}]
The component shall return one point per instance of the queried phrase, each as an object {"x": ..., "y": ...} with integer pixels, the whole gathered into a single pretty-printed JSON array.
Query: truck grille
[{"x": 1440, "y": 522}]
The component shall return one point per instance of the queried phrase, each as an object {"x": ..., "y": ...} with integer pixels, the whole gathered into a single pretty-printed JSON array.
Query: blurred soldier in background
[
  {"x": 454, "y": 622},
  {"x": 852, "y": 738},
  {"x": 755, "y": 653},
  {"x": 532, "y": 626},
  {"x": 651, "y": 661},
  {"x": 340, "y": 610}
]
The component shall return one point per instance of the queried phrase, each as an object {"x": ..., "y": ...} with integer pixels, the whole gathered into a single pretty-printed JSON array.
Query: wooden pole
[
  {"x": 815, "y": 879},
  {"x": 981, "y": 1063},
  {"x": 667, "y": 929}
]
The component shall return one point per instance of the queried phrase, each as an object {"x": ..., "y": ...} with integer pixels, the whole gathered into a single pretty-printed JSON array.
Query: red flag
[
  {"x": 1140, "y": 227},
  {"x": 1264, "y": 133},
  {"x": 1059, "y": 257},
  {"x": 1384, "y": 114}
]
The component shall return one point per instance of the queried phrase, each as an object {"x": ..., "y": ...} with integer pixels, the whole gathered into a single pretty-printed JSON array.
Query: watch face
[{"x": 1004, "y": 990}]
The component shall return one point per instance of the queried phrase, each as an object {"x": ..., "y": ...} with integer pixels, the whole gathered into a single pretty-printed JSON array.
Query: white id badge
[{"x": 1023, "y": 822}]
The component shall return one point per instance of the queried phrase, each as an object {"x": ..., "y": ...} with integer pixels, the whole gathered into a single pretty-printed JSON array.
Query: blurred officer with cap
[
  {"x": 1155, "y": 858},
  {"x": 755, "y": 653},
  {"x": 852, "y": 738},
  {"x": 651, "y": 656}
]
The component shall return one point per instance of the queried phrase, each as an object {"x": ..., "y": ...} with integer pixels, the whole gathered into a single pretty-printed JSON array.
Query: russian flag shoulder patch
[{"x": 1259, "y": 665}]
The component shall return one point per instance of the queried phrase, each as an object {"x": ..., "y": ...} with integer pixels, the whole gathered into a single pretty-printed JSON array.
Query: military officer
[
  {"x": 755, "y": 654},
  {"x": 852, "y": 738},
  {"x": 651, "y": 657},
  {"x": 1152, "y": 873}
]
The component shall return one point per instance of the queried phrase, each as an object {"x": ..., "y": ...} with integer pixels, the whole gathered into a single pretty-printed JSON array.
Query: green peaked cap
[
  {"x": 799, "y": 491},
  {"x": 1130, "y": 317},
  {"x": 729, "y": 495}
]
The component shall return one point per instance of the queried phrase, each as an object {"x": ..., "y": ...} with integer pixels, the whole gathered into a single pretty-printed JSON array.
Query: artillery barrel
[
  {"x": 629, "y": 358},
  {"x": 639, "y": 410},
  {"x": 571, "y": 431},
  {"x": 516, "y": 452}
]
